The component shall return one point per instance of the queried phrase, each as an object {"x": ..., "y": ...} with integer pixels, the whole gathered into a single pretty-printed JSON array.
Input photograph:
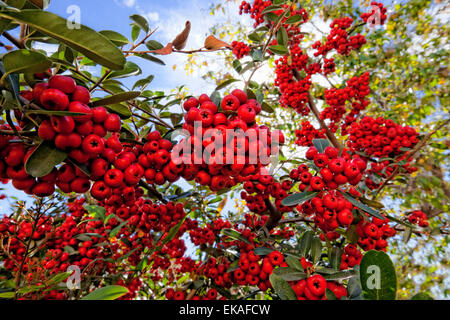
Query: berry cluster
[
  {"x": 350, "y": 257},
  {"x": 334, "y": 170},
  {"x": 240, "y": 49},
  {"x": 314, "y": 287},
  {"x": 418, "y": 217},
  {"x": 243, "y": 149},
  {"x": 255, "y": 10},
  {"x": 385, "y": 140},
  {"x": 377, "y": 15},
  {"x": 373, "y": 234},
  {"x": 261, "y": 187},
  {"x": 339, "y": 39},
  {"x": 307, "y": 134},
  {"x": 355, "y": 92}
]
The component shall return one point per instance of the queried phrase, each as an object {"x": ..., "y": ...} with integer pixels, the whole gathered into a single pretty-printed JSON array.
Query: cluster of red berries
[
  {"x": 315, "y": 286},
  {"x": 339, "y": 39},
  {"x": 294, "y": 93},
  {"x": 377, "y": 15},
  {"x": 207, "y": 235},
  {"x": 307, "y": 134},
  {"x": 385, "y": 140},
  {"x": 255, "y": 10},
  {"x": 240, "y": 49},
  {"x": 418, "y": 217},
  {"x": 79, "y": 239},
  {"x": 373, "y": 234},
  {"x": 217, "y": 270},
  {"x": 350, "y": 257},
  {"x": 261, "y": 187},
  {"x": 248, "y": 144},
  {"x": 334, "y": 170},
  {"x": 355, "y": 92},
  {"x": 381, "y": 137}
]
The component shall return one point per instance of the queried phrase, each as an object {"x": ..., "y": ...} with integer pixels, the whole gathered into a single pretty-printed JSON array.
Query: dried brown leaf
[
  {"x": 180, "y": 41},
  {"x": 166, "y": 50},
  {"x": 212, "y": 43}
]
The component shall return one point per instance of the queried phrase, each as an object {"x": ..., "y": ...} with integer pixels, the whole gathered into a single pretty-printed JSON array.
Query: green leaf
[
  {"x": 237, "y": 66},
  {"x": 377, "y": 276},
  {"x": 271, "y": 8},
  {"x": 362, "y": 206},
  {"x": 115, "y": 37},
  {"x": 130, "y": 69},
  {"x": 140, "y": 21},
  {"x": 330, "y": 294},
  {"x": 282, "y": 288},
  {"x": 96, "y": 211},
  {"x": 257, "y": 55},
  {"x": 25, "y": 61},
  {"x": 298, "y": 198},
  {"x": 278, "y": 49},
  {"x": 320, "y": 144},
  {"x": 7, "y": 295},
  {"x": 335, "y": 258},
  {"x": 421, "y": 296},
  {"x": 304, "y": 245},
  {"x": 150, "y": 58},
  {"x": 406, "y": 224},
  {"x": 255, "y": 36},
  {"x": 262, "y": 251},
  {"x": 289, "y": 274},
  {"x": 120, "y": 110},
  {"x": 111, "y": 292},
  {"x": 85, "y": 40},
  {"x": 153, "y": 45},
  {"x": 44, "y": 159},
  {"x": 142, "y": 83},
  {"x": 117, "y": 98},
  {"x": 266, "y": 107},
  {"x": 294, "y": 19},
  {"x": 225, "y": 83},
  {"x": 117, "y": 229},
  {"x": 294, "y": 263},
  {"x": 216, "y": 98},
  {"x": 316, "y": 249},
  {"x": 341, "y": 275},
  {"x": 235, "y": 235},
  {"x": 58, "y": 278},
  {"x": 282, "y": 36}
]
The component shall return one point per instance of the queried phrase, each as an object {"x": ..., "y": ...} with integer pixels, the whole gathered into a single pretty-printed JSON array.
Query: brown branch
[
  {"x": 13, "y": 40},
  {"x": 299, "y": 219},
  {"x": 152, "y": 190},
  {"x": 274, "y": 217}
]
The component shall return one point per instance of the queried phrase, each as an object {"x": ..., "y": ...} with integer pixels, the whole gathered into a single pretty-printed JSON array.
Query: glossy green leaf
[
  {"x": 111, "y": 292},
  {"x": 44, "y": 159},
  {"x": 85, "y": 40},
  {"x": 25, "y": 61},
  {"x": 117, "y": 98},
  {"x": 115, "y": 37},
  {"x": 282, "y": 288},
  {"x": 298, "y": 198},
  {"x": 377, "y": 276}
]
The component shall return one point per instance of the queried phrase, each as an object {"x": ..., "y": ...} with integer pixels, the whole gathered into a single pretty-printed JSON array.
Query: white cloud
[
  {"x": 152, "y": 16},
  {"x": 129, "y": 3}
]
